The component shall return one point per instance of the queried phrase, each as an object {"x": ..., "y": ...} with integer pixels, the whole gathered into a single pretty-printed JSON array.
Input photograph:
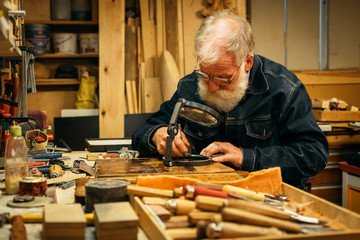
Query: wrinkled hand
[
  {"x": 230, "y": 153},
  {"x": 179, "y": 145}
]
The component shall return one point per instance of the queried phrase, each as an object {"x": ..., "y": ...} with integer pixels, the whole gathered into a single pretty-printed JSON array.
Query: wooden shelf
[
  {"x": 70, "y": 55},
  {"x": 57, "y": 81},
  {"x": 62, "y": 22}
]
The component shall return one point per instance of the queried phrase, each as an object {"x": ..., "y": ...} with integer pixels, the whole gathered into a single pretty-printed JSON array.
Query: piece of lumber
[
  {"x": 111, "y": 68},
  {"x": 152, "y": 94},
  {"x": 336, "y": 116},
  {"x": 148, "y": 39},
  {"x": 169, "y": 75}
]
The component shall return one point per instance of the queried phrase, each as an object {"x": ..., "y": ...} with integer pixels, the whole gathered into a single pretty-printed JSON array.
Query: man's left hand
[{"x": 230, "y": 153}]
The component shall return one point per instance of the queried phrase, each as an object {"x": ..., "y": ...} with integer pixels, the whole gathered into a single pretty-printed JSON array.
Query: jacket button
[{"x": 200, "y": 134}]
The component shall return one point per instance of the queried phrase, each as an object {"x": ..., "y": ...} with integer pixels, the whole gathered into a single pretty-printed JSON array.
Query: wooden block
[
  {"x": 320, "y": 103},
  {"x": 115, "y": 215},
  {"x": 64, "y": 221}
]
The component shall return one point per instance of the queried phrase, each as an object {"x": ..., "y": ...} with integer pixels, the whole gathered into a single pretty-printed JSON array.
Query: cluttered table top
[{"x": 149, "y": 188}]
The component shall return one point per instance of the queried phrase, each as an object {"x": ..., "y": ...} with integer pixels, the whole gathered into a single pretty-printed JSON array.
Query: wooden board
[
  {"x": 336, "y": 116},
  {"x": 152, "y": 94},
  {"x": 146, "y": 166},
  {"x": 169, "y": 75},
  {"x": 111, "y": 68}
]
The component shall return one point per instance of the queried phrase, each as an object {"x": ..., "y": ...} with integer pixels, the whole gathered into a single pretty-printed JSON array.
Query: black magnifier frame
[{"x": 196, "y": 113}]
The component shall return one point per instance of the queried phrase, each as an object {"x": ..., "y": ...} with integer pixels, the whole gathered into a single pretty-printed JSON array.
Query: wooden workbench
[{"x": 130, "y": 168}]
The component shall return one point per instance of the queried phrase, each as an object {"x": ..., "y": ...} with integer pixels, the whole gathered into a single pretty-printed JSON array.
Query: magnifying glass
[{"x": 192, "y": 112}]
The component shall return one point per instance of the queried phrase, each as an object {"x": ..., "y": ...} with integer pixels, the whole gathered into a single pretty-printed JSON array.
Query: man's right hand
[{"x": 179, "y": 145}]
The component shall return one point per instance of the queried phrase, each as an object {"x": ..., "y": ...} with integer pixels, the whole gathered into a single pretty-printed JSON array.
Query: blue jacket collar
[{"x": 258, "y": 82}]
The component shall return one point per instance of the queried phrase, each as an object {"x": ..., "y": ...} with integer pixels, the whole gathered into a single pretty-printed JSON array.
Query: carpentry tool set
[{"x": 228, "y": 211}]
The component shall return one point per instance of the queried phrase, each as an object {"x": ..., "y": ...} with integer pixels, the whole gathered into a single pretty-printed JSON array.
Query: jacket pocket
[
  {"x": 198, "y": 132},
  {"x": 260, "y": 128}
]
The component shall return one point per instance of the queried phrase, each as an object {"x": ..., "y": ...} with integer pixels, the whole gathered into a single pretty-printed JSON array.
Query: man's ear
[{"x": 249, "y": 62}]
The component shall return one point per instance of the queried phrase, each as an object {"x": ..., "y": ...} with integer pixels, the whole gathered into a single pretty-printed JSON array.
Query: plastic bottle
[{"x": 16, "y": 160}]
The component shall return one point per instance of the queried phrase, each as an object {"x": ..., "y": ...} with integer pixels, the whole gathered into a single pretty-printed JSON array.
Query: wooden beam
[{"x": 111, "y": 68}]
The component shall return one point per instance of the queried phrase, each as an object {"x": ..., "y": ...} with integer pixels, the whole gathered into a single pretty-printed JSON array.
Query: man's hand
[
  {"x": 179, "y": 145},
  {"x": 230, "y": 153}
]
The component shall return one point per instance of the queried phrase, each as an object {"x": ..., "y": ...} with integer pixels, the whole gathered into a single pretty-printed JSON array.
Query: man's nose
[{"x": 212, "y": 86}]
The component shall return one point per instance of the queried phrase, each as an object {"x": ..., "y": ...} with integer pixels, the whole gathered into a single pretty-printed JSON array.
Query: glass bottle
[{"x": 16, "y": 160}]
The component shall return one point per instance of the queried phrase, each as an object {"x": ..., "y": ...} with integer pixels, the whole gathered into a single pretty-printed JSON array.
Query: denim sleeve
[{"x": 303, "y": 149}]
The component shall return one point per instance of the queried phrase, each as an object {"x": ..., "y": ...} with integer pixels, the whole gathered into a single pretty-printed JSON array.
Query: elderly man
[{"x": 268, "y": 119}]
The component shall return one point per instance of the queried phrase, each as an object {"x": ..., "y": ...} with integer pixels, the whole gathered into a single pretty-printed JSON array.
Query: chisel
[
  {"x": 245, "y": 217},
  {"x": 234, "y": 230},
  {"x": 216, "y": 204}
]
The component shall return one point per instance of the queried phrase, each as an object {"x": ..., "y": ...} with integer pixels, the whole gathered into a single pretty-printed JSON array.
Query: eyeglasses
[{"x": 218, "y": 80}]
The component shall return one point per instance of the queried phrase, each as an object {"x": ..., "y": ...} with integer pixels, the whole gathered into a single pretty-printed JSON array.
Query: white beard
[{"x": 225, "y": 100}]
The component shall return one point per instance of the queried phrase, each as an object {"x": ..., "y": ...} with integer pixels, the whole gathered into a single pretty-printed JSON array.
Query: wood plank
[
  {"x": 144, "y": 166},
  {"x": 169, "y": 75},
  {"x": 111, "y": 68},
  {"x": 328, "y": 77},
  {"x": 152, "y": 94},
  {"x": 149, "y": 224},
  {"x": 148, "y": 39},
  {"x": 336, "y": 116}
]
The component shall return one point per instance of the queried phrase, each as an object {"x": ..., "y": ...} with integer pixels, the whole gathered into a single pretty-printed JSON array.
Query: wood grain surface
[{"x": 146, "y": 166}]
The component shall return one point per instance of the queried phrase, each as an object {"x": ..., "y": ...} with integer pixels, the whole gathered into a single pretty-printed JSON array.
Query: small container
[
  {"x": 61, "y": 9},
  {"x": 34, "y": 186},
  {"x": 16, "y": 160}
]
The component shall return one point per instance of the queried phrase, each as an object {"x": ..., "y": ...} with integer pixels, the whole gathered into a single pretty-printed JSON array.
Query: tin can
[{"x": 34, "y": 186}]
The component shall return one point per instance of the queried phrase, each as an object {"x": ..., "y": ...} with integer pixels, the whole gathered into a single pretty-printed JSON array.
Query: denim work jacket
[{"x": 273, "y": 124}]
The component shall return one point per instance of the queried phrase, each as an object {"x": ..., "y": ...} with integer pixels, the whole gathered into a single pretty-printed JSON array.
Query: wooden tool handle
[
  {"x": 208, "y": 203},
  {"x": 209, "y": 192},
  {"x": 180, "y": 206},
  {"x": 234, "y": 230},
  {"x": 154, "y": 201},
  {"x": 18, "y": 230},
  {"x": 244, "y": 192},
  {"x": 255, "y": 207},
  {"x": 197, "y": 216},
  {"x": 213, "y": 186},
  {"x": 150, "y": 192},
  {"x": 237, "y": 215}
]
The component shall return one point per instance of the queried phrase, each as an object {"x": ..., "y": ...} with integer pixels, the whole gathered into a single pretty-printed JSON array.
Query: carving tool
[
  {"x": 234, "y": 230},
  {"x": 208, "y": 203}
]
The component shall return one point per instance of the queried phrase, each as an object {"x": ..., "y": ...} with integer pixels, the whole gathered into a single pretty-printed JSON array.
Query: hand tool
[
  {"x": 234, "y": 190},
  {"x": 234, "y": 230},
  {"x": 55, "y": 171},
  {"x": 191, "y": 192},
  {"x": 180, "y": 206},
  {"x": 196, "y": 216},
  {"x": 18, "y": 230},
  {"x": 149, "y": 192},
  {"x": 47, "y": 156},
  {"x": 241, "y": 216},
  {"x": 216, "y": 204}
]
